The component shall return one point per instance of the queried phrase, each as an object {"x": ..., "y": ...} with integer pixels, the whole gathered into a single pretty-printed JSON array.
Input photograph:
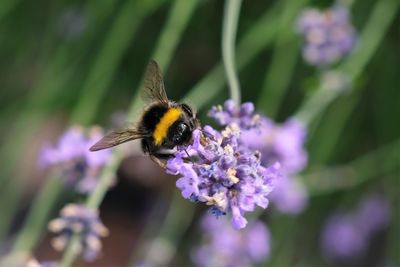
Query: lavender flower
[
  {"x": 225, "y": 247},
  {"x": 80, "y": 220},
  {"x": 285, "y": 144},
  {"x": 328, "y": 35},
  {"x": 71, "y": 156},
  {"x": 223, "y": 173},
  {"x": 276, "y": 143},
  {"x": 243, "y": 116},
  {"x": 346, "y": 235}
]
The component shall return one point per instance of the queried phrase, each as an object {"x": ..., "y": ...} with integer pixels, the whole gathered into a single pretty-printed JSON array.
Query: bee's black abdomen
[{"x": 153, "y": 116}]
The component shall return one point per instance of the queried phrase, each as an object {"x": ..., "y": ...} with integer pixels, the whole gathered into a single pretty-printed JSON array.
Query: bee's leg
[
  {"x": 157, "y": 161},
  {"x": 149, "y": 149}
]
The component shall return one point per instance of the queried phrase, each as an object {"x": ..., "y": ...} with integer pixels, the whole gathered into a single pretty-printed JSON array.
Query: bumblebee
[{"x": 164, "y": 124}]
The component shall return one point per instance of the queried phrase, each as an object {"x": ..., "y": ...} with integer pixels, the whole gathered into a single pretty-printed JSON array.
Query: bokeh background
[{"x": 66, "y": 63}]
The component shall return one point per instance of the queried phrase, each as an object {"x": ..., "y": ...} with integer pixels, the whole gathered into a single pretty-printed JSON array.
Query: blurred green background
[{"x": 81, "y": 62}]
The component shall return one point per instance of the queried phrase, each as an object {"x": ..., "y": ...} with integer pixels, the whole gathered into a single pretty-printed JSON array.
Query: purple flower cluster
[
  {"x": 283, "y": 143},
  {"x": 328, "y": 35},
  {"x": 230, "y": 113},
  {"x": 346, "y": 235},
  {"x": 80, "y": 220},
  {"x": 223, "y": 173},
  {"x": 226, "y": 247},
  {"x": 78, "y": 166},
  {"x": 276, "y": 143}
]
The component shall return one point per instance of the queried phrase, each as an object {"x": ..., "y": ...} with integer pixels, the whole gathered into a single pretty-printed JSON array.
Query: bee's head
[{"x": 191, "y": 116}]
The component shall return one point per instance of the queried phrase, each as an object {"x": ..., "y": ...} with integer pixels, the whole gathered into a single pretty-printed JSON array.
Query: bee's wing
[
  {"x": 154, "y": 90},
  {"x": 117, "y": 137}
]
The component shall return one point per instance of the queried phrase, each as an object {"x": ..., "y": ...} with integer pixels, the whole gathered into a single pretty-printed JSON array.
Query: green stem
[
  {"x": 38, "y": 215},
  {"x": 111, "y": 52},
  {"x": 374, "y": 164},
  {"x": 178, "y": 18},
  {"x": 394, "y": 230},
  {"x": 283, "y": 250},
  {"x": 316, "y": 104},
  {"x": 382, "y": 15},
  {"x": 105, "y": 181},
  {"x": 6, "y": 6},
  {"x": 72, "y": 251},
  {"x": 21, "y": 135},
  {"x": 284, "y": 57},
  {"x": 178, "y": 220},
  {"x": 229, "y": 29},
  {"x": 260, "y": 35},
  {"x": 171, "y": 34},
  {"x": 249, "y": 47},
  {"x": 46, "y": 91},
  {"x": 179, "y": 15}
]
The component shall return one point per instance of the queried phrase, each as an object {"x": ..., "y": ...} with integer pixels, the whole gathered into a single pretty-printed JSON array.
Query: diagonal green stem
[
  {"x": 177, "y": 21},
  {"x": 113, "y": 49},
  {"x": 29, "y": 119},
  {"x": 374, "y": 164},
  {"x": 182, "y": 9},
  {"x": 229, "y": 29},
  {"x": 382, "y": 15},
  {"x": 179, "y": 218},
  {"x": 39, "y": 212},
  {"x": 27, "y": 242},
  {"x": 254, "y": 41},
  {"x": 248, "y": 48},
  {"x": 284, "y": 58},
  {"x": 7, "y": 6}
]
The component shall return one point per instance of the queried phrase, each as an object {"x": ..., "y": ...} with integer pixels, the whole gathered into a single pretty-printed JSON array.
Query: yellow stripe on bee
[{"x": 161, "y": 130}]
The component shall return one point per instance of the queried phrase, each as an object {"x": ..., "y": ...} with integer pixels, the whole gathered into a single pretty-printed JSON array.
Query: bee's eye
[
  {"x": 187, "y": 109},
  {"x": 182, "y": 127}
]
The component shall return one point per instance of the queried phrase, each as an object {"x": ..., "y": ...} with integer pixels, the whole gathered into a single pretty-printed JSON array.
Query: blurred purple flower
[
  {"x": 328, "y": 35},
  {"x": 223, "y": 173},
  {"x": 342, "y": 237},
  {"x": 78, "y": 166},
  {"x": 289, "y": 196},
  {"x": 226, "y": 247},
  {"x": 285, "y": 144},
  {"x": 373, "y": 214},
  {"x": 346, "y": 235},
  {"x": 78, "y": 219}
]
